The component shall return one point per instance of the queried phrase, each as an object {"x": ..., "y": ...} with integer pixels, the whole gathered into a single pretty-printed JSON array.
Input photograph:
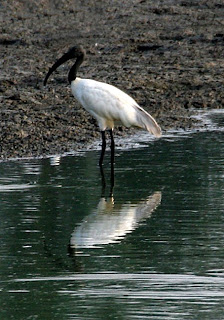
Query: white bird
[{"x": 106, "y": 103}]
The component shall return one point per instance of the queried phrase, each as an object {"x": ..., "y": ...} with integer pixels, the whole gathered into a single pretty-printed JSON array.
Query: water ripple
[
  {"x": 16, "y": 187},
  {"x": 167, "y": 279}
]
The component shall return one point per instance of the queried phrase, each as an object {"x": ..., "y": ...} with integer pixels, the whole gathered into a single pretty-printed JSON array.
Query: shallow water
[{"x": 72, "y": 246}]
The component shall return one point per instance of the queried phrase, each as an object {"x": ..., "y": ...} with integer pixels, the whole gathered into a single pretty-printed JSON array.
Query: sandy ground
[{"x": 168, "y": 55}]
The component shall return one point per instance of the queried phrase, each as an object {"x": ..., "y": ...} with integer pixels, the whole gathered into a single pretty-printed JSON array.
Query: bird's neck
[{"x": 73, "y": 71}]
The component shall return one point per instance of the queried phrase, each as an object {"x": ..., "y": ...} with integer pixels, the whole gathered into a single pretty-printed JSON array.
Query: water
[{"x": 72, "y": 246}]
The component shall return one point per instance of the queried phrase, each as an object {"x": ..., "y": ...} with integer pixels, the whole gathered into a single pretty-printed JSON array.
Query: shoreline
[{"x": 126, "y": 142}]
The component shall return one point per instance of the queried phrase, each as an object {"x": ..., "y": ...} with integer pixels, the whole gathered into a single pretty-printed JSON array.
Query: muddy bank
[{"x": 169, "y": 56}]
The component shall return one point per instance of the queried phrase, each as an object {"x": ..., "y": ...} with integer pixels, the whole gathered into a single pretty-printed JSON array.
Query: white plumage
[
  {"x": 109, "y": 106},
  {"x": 106, "y": 103}
]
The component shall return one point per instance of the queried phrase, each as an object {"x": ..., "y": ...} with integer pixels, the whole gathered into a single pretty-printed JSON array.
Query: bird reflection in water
[{"x": 110, "y": 222}]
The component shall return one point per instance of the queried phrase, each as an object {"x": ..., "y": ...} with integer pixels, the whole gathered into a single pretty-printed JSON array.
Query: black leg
[
  {"x": 103, "y": 148},
  {"x": 112, "y": 146}
]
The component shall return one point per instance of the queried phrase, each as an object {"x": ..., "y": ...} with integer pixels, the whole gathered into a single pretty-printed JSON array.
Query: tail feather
[{"x": 147, "y": 122}]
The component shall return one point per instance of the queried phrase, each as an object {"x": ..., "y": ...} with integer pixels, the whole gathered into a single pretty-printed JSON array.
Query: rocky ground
[{"x": 168, "y": 55}]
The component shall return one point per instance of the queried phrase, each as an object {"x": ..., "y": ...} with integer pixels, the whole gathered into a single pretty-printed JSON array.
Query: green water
[{"x": 72, "y": 246}]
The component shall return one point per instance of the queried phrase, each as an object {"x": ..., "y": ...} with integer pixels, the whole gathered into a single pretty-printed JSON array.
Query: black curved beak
[
  {"x": 74, "y": 52},
  {"x": 67, "y": 56}
]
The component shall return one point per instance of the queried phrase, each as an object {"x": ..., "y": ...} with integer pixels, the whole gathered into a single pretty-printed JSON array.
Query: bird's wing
[
  {"x": 146, "y": 121},
  {"x": 136, "y": 115}
]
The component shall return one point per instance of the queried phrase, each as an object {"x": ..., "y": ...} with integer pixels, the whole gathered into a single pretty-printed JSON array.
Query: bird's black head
[{"x": 74, "y": 52}]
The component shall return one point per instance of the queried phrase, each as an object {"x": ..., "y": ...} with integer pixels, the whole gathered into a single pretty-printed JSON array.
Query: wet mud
[{"x": 168, "y": 55}]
